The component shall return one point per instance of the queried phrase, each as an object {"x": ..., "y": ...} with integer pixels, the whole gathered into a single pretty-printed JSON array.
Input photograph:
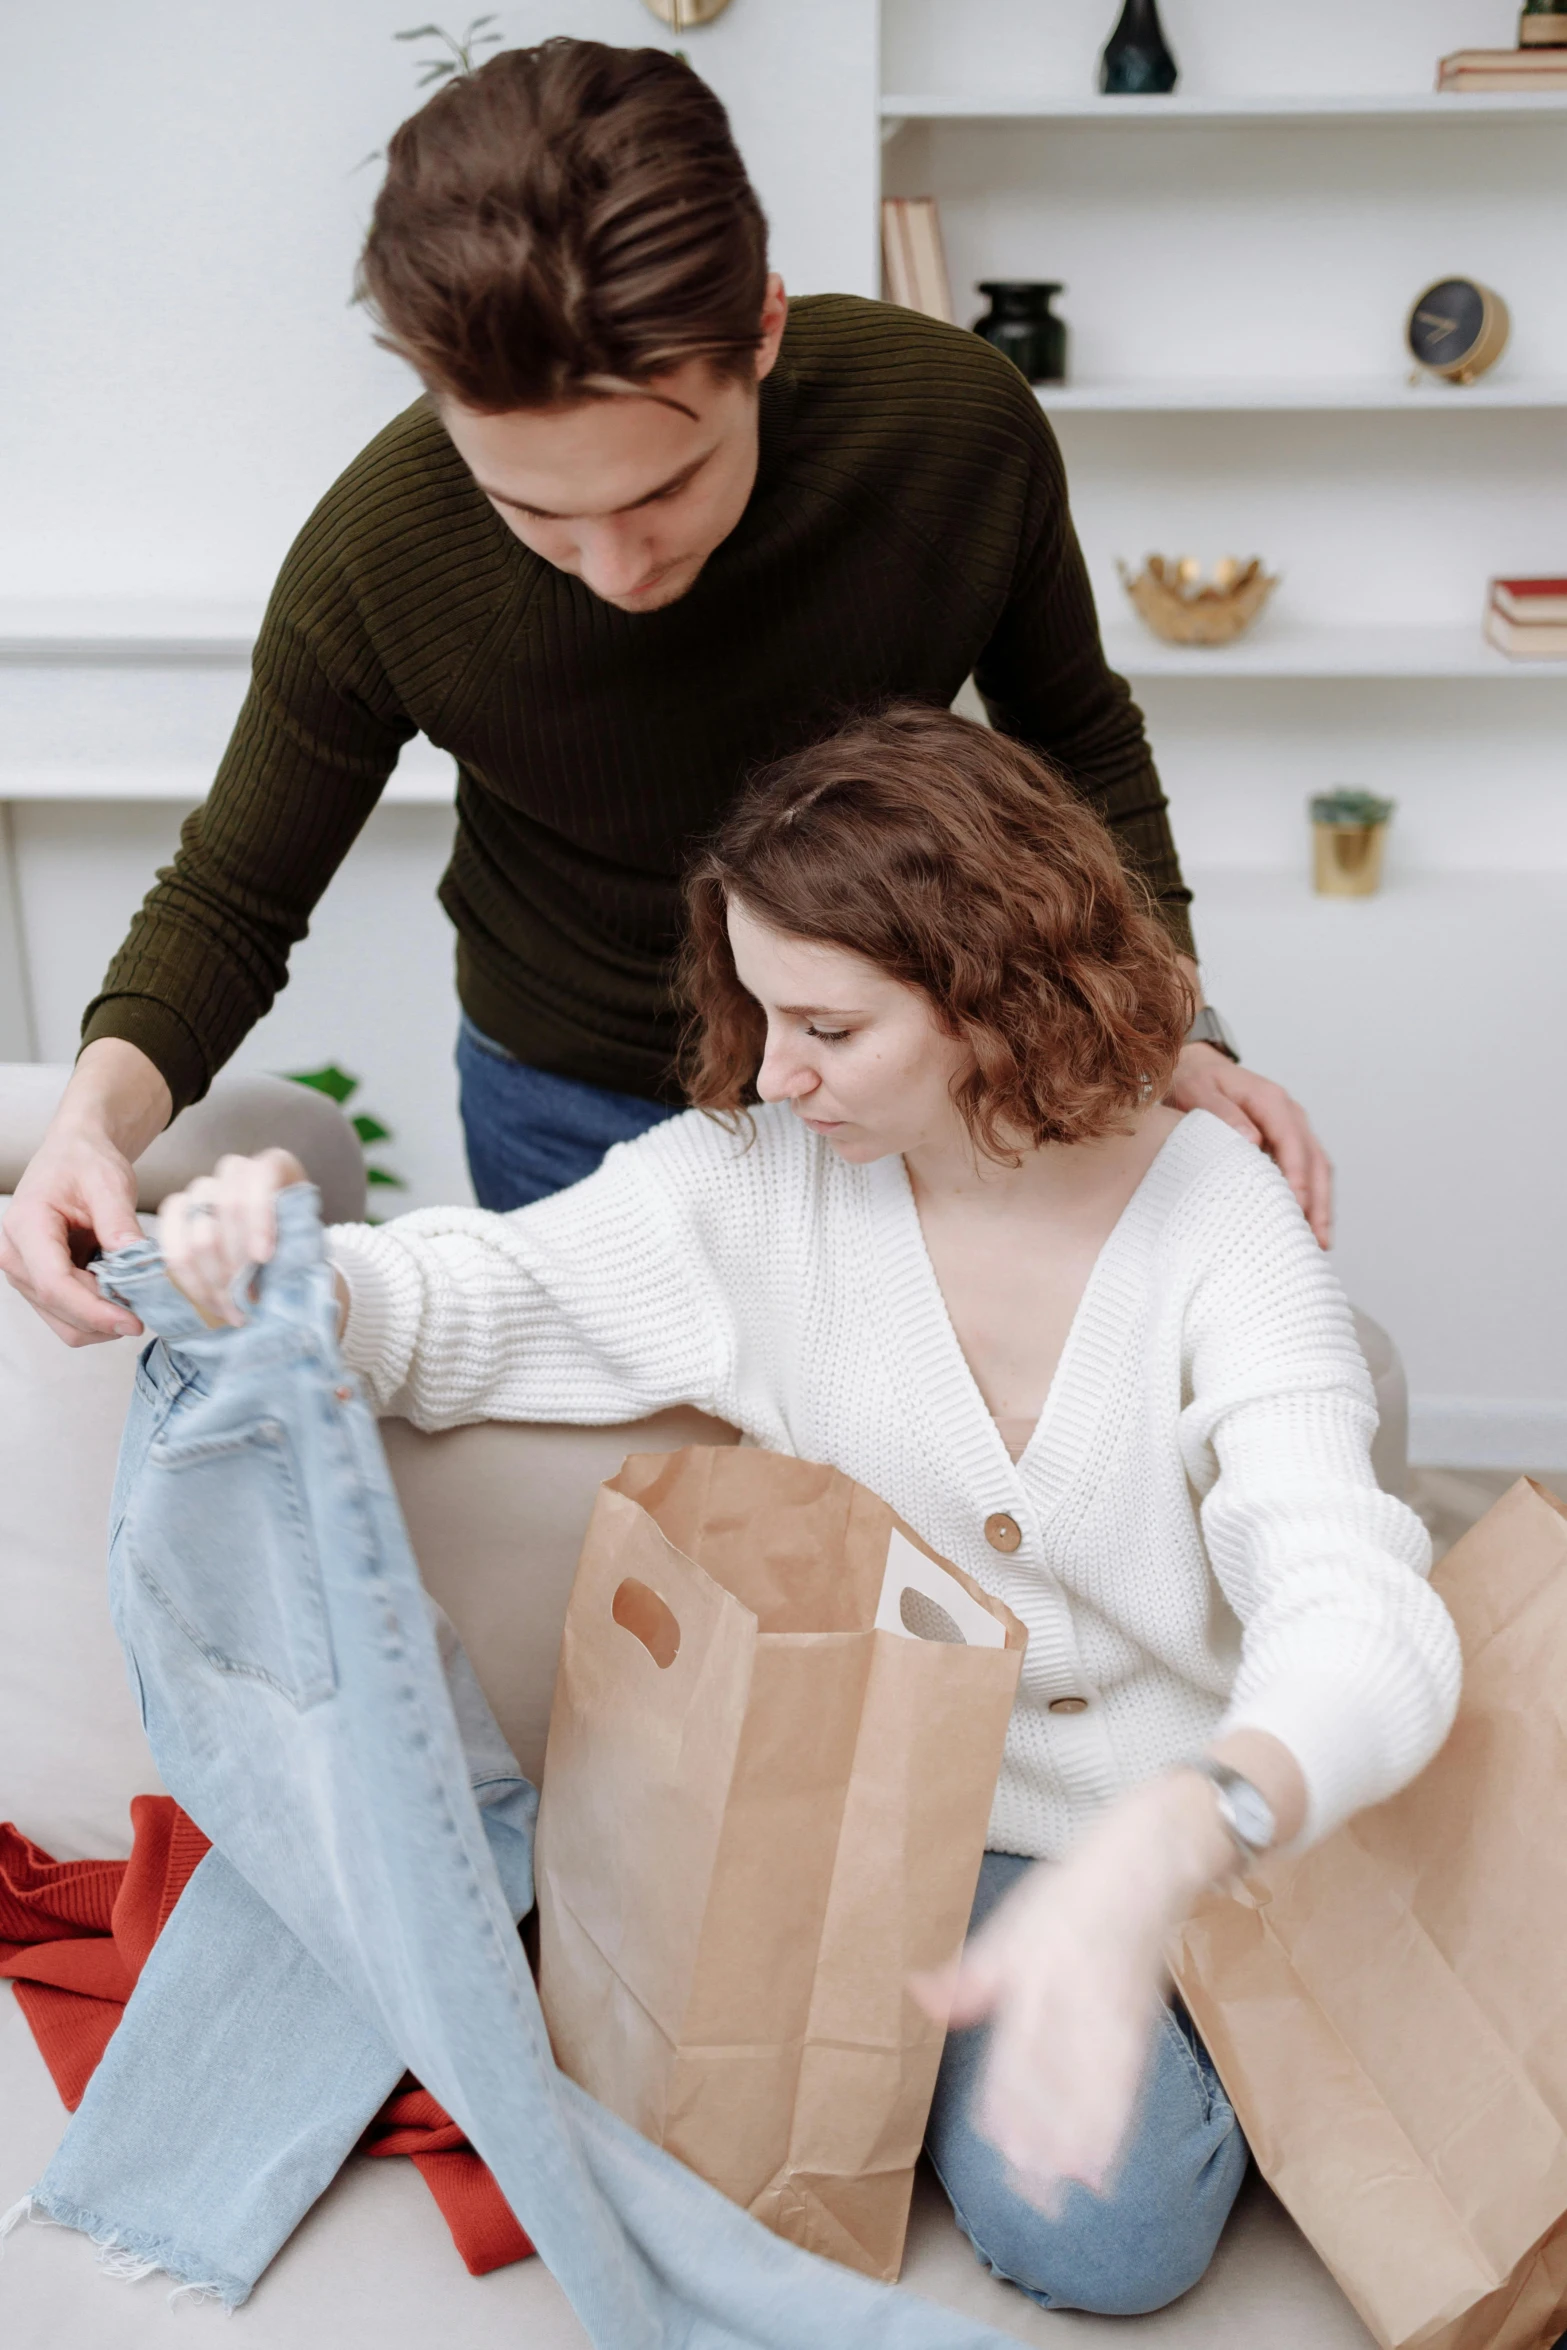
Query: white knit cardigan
[{"x": 1204, "y": 1546}]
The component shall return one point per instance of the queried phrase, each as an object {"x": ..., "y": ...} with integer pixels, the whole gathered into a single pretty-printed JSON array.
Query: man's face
[{"x": 627, "y": 493}]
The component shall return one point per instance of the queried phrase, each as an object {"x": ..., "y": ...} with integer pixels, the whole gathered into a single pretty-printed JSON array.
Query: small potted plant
[{"x": 1349, "y": 830}]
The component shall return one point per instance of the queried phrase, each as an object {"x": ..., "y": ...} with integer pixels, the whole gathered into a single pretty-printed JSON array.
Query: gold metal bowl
[{"x": 1184, "y": 609}]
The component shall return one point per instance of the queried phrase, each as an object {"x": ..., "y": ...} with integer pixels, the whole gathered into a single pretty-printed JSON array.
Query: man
[{"x": 646, "y": 529}]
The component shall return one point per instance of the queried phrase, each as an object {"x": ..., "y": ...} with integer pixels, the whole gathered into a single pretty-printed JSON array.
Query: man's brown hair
[
  {"x": 566, "y": 220},
  {"x": 959, "y": 863}
]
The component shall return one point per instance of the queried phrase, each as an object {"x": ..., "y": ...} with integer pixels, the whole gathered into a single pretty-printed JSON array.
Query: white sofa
[{"x": 496, "y": 1515}]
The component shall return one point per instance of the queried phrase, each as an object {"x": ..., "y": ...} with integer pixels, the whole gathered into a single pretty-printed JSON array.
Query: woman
[{"x": 1085, "y": 1345}]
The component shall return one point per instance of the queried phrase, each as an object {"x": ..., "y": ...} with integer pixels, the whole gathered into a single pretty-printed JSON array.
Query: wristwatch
[
  {"x": 1245, "y": 1810},
  {"x": 1210, "y": 1027}
]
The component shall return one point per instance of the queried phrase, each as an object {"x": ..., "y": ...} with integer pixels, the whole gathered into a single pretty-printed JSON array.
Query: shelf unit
[
  {"x": 1104, "y": 208},
  {"x": 1448, "y": 108},
  {"x": 1274, "y": 650},
  {"x": 141, "y": 662},
  {"x": 423, "y": 778},
  {"x": 1238, "y": 260},
  {"x": 1171, "y": 395}
]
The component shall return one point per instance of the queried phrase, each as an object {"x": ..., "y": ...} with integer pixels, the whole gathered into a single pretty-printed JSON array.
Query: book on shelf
[
  {"x": 1511, "y": 84},
  {"x": 1527, "y": 618},
  {"x": 1503, "y": 69},
  {"x": 1527, "y": 640},
  {"x": 913, "y": 258},
  {"x": 1534, "y": 601}
]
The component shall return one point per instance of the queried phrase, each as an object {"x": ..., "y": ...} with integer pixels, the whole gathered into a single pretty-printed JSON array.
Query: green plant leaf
[
  {"x": 332, "y": 1081},
  {"x": 421, "y": 32},
  {"x": 371, "y": 1130},
  {"x": 383, "y": 1179},
  {"x": 1346, "y": 806}
]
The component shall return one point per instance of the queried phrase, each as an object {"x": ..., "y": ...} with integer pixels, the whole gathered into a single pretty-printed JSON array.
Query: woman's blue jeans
[
  {"x": 1153, "y": 2236},
  {"x": 372, "y": 1846},
  {"x": 529, "y": 1133}
]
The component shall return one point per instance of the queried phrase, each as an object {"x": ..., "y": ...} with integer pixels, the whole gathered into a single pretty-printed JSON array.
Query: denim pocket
[{"x": 218, "y": 1536}]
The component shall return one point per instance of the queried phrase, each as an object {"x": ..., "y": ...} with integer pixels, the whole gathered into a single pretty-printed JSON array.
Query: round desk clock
[{"x": 1458, "y": 329}]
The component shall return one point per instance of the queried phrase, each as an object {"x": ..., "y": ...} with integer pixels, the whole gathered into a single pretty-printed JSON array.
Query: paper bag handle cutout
[
  {"x": 920, "y": 1601},
  {"x": 638, "y": 1610}
]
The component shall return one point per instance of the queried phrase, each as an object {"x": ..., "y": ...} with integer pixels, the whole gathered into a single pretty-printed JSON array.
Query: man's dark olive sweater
[{"x": 909, "y": 525}]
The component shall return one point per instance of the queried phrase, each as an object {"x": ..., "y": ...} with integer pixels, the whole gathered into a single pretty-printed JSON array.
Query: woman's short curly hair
[{"x": 958, "y": 862}]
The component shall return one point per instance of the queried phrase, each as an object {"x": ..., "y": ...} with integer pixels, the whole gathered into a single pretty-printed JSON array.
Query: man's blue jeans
[
  {"x": 372, "y": 1847},
  {"x": 528, "y": 1133}
]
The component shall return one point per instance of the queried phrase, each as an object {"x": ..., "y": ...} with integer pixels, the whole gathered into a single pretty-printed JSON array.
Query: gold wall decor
[{"x": 681, "y": 15}]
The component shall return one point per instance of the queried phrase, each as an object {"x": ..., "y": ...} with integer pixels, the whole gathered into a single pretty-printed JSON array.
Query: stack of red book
[{"x": 1528, "y": 618}]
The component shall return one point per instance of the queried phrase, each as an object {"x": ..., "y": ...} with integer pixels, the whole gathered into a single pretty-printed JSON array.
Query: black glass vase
[
  {"x": 1021, "y": 322},
  {"x": 1137, "y": 62}
]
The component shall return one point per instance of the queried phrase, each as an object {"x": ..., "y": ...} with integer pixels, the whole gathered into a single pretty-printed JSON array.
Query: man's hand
[
  {"x": 79, "y": 1192},
  {"x": 1206, "y": 1079}
]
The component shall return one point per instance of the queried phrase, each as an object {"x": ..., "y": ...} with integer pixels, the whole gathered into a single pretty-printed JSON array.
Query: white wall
[
  {"x": 180, "y": 374},
  {"x": 370, "y": 988}
]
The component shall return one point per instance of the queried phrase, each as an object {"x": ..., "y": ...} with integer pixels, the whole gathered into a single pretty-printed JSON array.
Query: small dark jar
[{"x": 1021, "y": 322}]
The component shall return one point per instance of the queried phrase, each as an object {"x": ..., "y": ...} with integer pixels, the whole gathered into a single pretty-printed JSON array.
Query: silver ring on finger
[{"x": 199, "y": 1207}]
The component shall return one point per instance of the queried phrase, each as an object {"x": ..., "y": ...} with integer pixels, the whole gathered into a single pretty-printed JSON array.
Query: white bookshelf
[
  {"x": 1238, "y": 261},
  {"x": 1235, "y": 304},
  {"x": 1447, "y": 109},
  {"x": 1303, "y": 394},
  {"x": 1273, "y": 650},
  {"x": 423, "y": 778},
  {"x": 1270, "y": 649}
]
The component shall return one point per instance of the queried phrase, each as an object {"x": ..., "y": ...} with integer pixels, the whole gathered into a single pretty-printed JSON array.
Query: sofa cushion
[
  {"x": 496, "y": 1516},
  {"x": 239, "y": 1114},
  {"x": 72, "y": 1752}
]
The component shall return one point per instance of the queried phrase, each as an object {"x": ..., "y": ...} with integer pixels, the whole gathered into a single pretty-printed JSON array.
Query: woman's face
[{"x": 857, "y": 1055}]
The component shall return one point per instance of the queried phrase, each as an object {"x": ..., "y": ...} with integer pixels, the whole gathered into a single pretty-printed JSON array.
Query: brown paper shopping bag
[
  {"x": 776, "y": 1732},
  {"x": 1389, "y": 2014}
]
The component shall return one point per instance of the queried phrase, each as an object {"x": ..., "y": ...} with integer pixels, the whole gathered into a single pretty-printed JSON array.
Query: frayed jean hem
[{"x": 128, "y": 2256}]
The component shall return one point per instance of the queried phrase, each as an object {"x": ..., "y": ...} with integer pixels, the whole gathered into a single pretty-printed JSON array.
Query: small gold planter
[
  {"x": 1348, "y": 835},
  {"x": 1348, "y": 859}
]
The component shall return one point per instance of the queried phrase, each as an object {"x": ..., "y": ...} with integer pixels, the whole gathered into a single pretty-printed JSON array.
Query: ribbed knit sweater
[
  {"x": 1204, "y": 1545},
  {"x": 909, "y": 525}
]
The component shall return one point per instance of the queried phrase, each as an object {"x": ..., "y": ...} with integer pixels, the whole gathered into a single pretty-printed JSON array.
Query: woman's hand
[
  {"x": 1070, "y": 1972},
  {"x": 224, "y": 1222}
]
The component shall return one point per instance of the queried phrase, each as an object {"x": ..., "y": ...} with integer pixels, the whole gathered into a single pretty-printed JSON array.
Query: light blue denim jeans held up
[{"x": 372, "y": 1847}]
